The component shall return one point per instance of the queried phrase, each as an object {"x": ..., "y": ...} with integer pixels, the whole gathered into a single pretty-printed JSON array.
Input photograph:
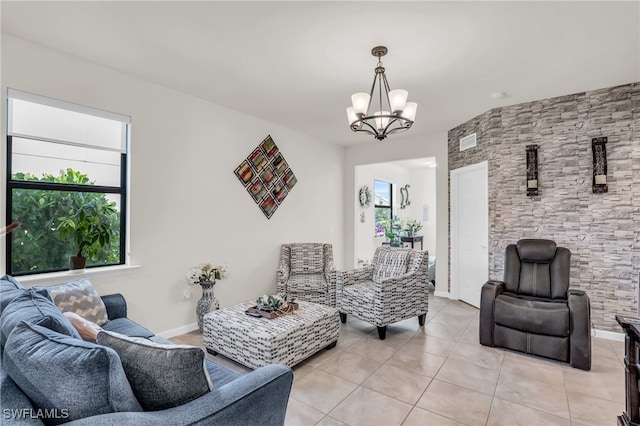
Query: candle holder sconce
[
  {"x": 532, "y": 170},
  {"x": 599, "y": 150}
]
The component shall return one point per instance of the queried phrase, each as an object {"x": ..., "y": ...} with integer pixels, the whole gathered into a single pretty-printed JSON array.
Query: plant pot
[{"x": 76, "y": 262}]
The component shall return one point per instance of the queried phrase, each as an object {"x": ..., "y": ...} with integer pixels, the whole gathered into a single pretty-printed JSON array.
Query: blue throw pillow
[
  {"x": 67, "y": 377},
  {"x": 10, "y": 288},
  {"x": 32, "y": 307}
]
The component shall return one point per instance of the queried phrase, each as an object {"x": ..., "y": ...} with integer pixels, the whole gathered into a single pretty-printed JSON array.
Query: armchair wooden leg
[
  {"x": 421, "y": 319},
  {"x": 343, "y": 318},
  {"x": 382, "y": 332}
]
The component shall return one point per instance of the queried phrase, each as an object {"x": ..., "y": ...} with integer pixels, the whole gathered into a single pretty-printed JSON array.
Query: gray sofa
[{"x": 260, "y": 396}]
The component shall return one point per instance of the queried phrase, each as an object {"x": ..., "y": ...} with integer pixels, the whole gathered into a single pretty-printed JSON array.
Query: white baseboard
[
  {"x": 444, "y": 294},
  {"x": 609, "y": 335},
  {"x": 178, "y": 331}
]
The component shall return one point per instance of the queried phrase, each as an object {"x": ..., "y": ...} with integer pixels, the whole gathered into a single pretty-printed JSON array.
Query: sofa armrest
[
  {"x": 116, "y": 306},
  {"x": 490, "y": 290},
  {"x": 580, "y": 329},
  {"x": 259, "y": 396}
]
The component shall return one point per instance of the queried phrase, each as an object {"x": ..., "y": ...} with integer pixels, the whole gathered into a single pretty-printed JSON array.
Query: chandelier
[{"x": 392, "y": 114}]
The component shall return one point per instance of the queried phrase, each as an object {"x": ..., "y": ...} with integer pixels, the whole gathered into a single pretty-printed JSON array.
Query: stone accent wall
[{"x": 601, "y": 230}]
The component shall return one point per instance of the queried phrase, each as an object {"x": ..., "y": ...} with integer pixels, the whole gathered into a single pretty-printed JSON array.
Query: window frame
[
  {"x": 121, "y": 189},
  {"x": 376, "y": 205}
]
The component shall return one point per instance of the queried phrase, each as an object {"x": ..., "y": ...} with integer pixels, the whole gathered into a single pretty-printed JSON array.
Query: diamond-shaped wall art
[{"x": 267, "y": 177}]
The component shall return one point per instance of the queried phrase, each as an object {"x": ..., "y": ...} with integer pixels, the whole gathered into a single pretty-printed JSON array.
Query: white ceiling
[{"x": 296, "y": 63}]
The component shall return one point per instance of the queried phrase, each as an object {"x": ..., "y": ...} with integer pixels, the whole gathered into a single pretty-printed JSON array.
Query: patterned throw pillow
[
  {"x": 161, "y": 376},
  {"x": 390, "y": 263},
  {"x": 81, "y": 298}
]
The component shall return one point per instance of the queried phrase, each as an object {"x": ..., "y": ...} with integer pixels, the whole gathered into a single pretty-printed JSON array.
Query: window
[
  {"x": 64, "y": 162},
  {"x": 383, "y": 203}
]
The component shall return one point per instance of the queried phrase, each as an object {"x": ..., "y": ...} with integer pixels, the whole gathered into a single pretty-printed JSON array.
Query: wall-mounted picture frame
[
  {"x": 269, "y": 147},
  {"x": 279, "y": 191},
  {"x": 280, "y": 164},
  {"x": 266, "y": 176},
  {"x": 258, "y": 159},
  {"x": 244, "y": 172},
  {"x": 257, "y": 189},
  {"x": 268, "y": 206},
  {"x": 290, "y": 179}
]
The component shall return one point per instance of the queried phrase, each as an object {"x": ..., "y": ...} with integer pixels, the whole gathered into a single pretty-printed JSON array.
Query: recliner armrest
[
  {"x": 580, "y": 331},
  {"x": 116, "y": 306},
  {"x": 490, "y": 290}
]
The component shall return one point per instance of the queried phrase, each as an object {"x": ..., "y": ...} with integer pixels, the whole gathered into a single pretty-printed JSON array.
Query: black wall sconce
[
  {"x": 532, "y": 170},
  {"x": 599, "y": 150}
]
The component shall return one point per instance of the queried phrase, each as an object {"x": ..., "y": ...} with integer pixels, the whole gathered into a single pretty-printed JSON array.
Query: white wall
[
  {"x": 422, "y": 190},
  {"x": 187, "y": 205},
  {"x": 423, "y": 193},
  {"x": 394, "y": 149},
  {"x": 365, "y": 241}
]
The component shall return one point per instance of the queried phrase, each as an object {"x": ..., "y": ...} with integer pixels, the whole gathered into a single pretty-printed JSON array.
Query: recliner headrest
[{"x": 536, "y": 250}]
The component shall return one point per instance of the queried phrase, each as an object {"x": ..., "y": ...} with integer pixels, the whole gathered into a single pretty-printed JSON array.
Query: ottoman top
[{"x": 235, "y": 317}]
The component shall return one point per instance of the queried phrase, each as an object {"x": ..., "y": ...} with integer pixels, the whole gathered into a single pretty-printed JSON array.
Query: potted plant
[
  {"x": 412, "y": 227},
  {"x": 91, "y": 229}
]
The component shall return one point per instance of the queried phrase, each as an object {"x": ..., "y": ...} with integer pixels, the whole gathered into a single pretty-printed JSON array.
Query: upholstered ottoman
[{"x": 256, "y": 342}]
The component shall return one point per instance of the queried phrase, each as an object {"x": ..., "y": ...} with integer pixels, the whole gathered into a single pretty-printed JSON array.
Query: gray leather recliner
[{"x": 533, "y": 310}]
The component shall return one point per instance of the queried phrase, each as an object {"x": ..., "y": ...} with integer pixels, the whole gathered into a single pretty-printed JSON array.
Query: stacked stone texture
[{"x": 601, "y": 230}]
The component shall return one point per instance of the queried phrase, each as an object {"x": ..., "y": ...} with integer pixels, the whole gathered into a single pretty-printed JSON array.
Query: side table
[
  {"x": 631, "y": 327},
  {"x": 413, "y": 240}
]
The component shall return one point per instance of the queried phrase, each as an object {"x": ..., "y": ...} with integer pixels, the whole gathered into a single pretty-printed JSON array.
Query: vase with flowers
[{"x": 206, "y": 275}]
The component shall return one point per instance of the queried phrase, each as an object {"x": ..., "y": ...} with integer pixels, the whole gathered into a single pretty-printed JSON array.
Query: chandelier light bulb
[
  {"x": 382, "y": 119},
  {"x": 351, "y": 115},
  {"x": 397, "y": 100},
  {"x": 360, "y": 102},
  {"x": 409, "y": 111}
]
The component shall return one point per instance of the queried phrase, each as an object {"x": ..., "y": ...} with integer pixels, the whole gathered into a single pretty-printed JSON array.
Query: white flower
[
  {"x": 224, "y": 270},
  {"x": 205, "y": 272}
]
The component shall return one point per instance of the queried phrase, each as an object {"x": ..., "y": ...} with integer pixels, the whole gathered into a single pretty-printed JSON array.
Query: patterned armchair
[
  {"x": 392, "y": 289},
  {"x": 306, "y": 272}
]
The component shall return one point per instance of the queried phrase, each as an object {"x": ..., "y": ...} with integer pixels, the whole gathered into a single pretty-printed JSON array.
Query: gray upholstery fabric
[
  {"x": 127, "y": 327},
  {"x": 161, "y": 376},
  {"x": 10, "y": 288},
  {"x": 64, "y": 373},
  {"x": 307, "y": 272},
  {"x": 31, "y": 307},
  {"x": 81, "y": 298},
  {"x": 532, "y": 310}
]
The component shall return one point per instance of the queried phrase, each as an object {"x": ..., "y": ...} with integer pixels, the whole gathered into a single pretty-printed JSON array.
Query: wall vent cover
[{"x": 468, "y": 141}]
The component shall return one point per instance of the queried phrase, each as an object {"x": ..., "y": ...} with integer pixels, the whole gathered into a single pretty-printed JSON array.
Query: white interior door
[{"x": 469, "y": 232}]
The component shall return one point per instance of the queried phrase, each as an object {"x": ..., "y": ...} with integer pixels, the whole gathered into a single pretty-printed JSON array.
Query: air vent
[{"x": 468, "y": 141}]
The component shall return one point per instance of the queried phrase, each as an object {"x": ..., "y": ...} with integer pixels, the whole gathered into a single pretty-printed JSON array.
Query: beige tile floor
[{"x": 440, "y": 375}]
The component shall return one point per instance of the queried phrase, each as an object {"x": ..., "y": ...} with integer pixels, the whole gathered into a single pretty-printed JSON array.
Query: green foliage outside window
[{"x": 37, "y": 246}]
